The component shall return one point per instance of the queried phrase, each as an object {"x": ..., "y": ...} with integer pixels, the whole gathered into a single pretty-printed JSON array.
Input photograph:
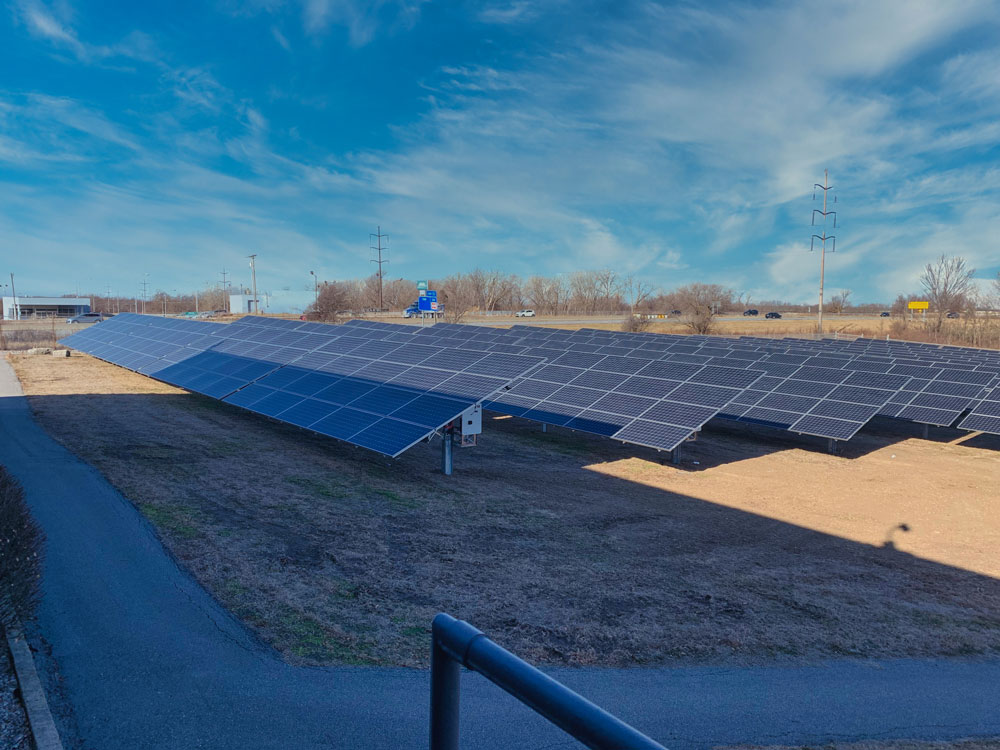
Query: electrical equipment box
[{"x": 472, "y": 425}]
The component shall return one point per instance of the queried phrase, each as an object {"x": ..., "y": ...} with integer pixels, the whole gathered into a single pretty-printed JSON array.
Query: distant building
[
  {"x": 42, "y": 307},
  {"x": 285, "y": 301}
]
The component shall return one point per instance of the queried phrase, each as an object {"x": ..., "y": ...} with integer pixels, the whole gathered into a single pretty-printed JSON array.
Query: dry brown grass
[
  {"x": 965, "y": 744},
  {"x": 567, "y": 548}
]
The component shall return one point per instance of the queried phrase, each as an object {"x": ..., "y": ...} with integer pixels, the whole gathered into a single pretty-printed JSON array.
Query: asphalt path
[{"x": 138, "y": 655}]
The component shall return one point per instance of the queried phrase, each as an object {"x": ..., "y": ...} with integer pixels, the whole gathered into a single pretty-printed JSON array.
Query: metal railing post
[
  {"x": 445, "y": 693},
  {"x": 455, "y": 642}
]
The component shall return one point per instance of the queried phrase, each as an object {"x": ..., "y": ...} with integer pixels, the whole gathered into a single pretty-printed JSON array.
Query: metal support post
[
  {"x": 831, "y": 445},
  {"x": 926, "y": 431},
  {"x": 445, "y": 693},
  {"x": 545, "y": 427},
  {"x": 446, "y": 451},
  {"x": 675, "y": 456}
]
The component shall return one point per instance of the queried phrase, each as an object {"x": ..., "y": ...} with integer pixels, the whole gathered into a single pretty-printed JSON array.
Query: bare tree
[
  {"x": 838, "y": 302},
  {"x": 398, "y": 293},
  {"x": 494, "y": 288},
  {"x": 700, "y": 303},
  {"x": 458, "y": 295},
  {"x": 609, "y": 289},
  {"x": 947, "y": 283},
  {"x": 546, "y": 295},
  {"x": 637, "y": 293},
  {"x": 334, "y": 298}
]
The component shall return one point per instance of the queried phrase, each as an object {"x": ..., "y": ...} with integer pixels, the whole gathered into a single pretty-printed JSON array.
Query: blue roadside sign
[
  {"x": 424, "y": 303},
  {"x": 431, "y": 294}
]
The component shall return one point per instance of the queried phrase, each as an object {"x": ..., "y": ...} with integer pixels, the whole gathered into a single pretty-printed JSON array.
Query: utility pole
[
  {"x": 253, "y": 274},
  {"x": 315, "y": 291},
  {"x": 144, "y": 284},
  {"x": 825, "y": 187},
  {"x": 378, "y": 248},
  {"x": 17, "y": 307},
  {"x": 225, "y": 290}
]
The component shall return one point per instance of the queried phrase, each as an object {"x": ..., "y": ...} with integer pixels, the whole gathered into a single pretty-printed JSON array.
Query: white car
[{"x": 525, "y": 314}]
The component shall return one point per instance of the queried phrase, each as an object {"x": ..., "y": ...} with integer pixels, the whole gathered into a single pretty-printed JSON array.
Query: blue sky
[{"x": 676, "y": 141}]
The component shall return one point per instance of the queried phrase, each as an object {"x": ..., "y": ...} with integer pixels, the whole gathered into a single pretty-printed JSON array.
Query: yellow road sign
[{"x": 919, "y": 305}]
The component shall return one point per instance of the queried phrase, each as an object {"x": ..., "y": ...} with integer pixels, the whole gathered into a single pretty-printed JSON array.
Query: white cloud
[{"x": 362, "y": 18}]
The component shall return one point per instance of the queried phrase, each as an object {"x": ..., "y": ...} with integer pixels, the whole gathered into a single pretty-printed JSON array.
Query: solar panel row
[
  {"x": 649, "y": 389},
  {"x": 385, "y": 396}
]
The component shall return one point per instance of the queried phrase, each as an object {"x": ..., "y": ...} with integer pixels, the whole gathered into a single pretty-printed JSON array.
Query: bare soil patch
[
  {"x": 14, "y": 734},
  {"x": 567, "y": 548}
]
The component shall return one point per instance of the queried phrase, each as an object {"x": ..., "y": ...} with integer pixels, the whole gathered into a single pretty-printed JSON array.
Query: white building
[
  {"x": 42, "y": 307},
  {"x": 284, "y": 301}
]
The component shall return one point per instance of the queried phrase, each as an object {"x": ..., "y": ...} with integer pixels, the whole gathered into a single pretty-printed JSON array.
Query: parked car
[
  {"x": 751, "y": 311},
  {"x": 773, "y": 315},
  {"x": 952, "y": 315},
  {"x": 91, "y": 317},
  {"x": 883, "y": 315},
  {"x": 675, "y": 312},
  {"x": 525, "y": 314}
]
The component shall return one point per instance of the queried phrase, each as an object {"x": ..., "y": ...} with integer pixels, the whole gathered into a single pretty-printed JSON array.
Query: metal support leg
[
  {"x": 675, "y": 456},
  {"x": 545, "y": 427},
  {"x": 445, "y": 691},
  {"x": 927, "y": 431},
  {"x": 446, "y": 449},
  {"x": 831, "y": 446}
]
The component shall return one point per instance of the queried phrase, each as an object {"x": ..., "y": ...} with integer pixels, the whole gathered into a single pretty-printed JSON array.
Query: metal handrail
[{"x": 456, "y": 643}]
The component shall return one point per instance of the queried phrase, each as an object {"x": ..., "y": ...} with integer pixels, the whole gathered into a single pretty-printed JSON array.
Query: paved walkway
[{"x": 147, "y": 659}]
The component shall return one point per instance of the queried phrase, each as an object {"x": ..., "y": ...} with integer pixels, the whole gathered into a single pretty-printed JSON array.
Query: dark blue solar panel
[
  {"x": 275, "y": 403},
  {"x": 599, "y": 423},
  {"x": 346, "y": 390},
  {"x": 837, "y": 429},
  {"x": 624, "y": 404},
  {"x": 638, "y": 385},
  {"x": 654, "y": 434},
  {"x": 308, "y": 412},
  {"x": 576, "y": 396},
  {"x": 390, "y": 436},
  {"x": 683, "y": 415}
]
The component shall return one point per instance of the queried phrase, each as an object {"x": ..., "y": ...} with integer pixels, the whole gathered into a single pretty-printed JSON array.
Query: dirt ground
[
  {"x": 14, "y": 734},
  {"x": 567, "y": 548}
]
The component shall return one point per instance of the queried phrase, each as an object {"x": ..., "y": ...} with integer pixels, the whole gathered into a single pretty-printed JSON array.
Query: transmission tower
[
  {"x": 377, "y": 248},
  {"x": 825, "y": 187}
]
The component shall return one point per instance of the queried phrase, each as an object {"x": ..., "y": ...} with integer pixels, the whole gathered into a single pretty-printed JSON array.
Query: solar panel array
[
  {"x": 342, "y": 382},
  {"x": 829, "y": 388},
  {"x": 650, "y": 389}
]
